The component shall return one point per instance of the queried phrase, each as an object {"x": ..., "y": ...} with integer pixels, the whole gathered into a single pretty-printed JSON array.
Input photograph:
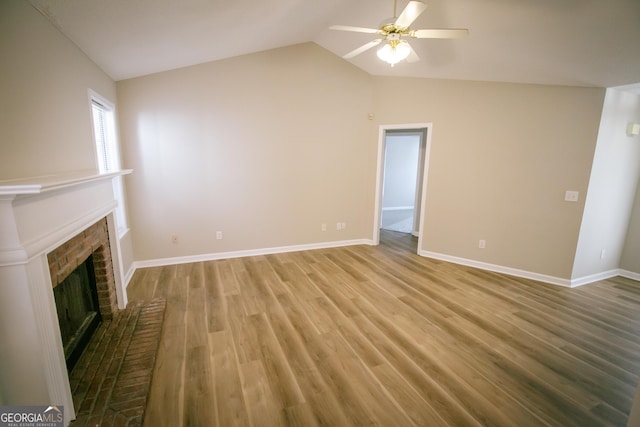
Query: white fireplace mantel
[
  {"x": 47, "y": 183},
  {"x": 36, "y": 216}
]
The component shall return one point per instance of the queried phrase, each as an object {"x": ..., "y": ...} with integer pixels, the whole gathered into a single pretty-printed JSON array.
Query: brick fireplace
[
  {"x": 48, "y": 226},
  {"x": 68, "y": 256},
  {"x": 87, "y": 297}
]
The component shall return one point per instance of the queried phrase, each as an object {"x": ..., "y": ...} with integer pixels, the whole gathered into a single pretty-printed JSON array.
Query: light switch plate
[{"x": 571, "y": 196}]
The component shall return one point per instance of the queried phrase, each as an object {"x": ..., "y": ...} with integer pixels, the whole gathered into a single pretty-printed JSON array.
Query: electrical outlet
[
  {"x": 344, "y": 225},
  {"x": 602, "y": 254},
  {"x": 218, "y": 235},
  {"x": 323, "y": 227},
  {"x": 339, "y": 226},
  {"x": 174, "y": 239},
  {"x": 482, "y": 244}
]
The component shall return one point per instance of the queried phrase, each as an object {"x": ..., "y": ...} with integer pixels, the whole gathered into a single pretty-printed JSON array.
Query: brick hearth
[{"x": 111, "y": 381}]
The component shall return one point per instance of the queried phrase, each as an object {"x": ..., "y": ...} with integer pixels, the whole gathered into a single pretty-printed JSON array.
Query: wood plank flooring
[{"x": 366, "y": 335}]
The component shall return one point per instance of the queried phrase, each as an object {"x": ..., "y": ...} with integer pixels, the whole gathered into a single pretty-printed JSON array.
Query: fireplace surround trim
[{"x": 36, "y": 216}]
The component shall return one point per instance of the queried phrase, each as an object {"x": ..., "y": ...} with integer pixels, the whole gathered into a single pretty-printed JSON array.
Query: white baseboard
[
  {"x": 629, "y": 274},
  {"x": 570, "y": 283},
  {"x": 129, "y": 275},
  {"x": 595, "y": 277},
  {"x": 245, "y": 253},
  {"x": 498, "y": 268},
  {"x": 398, "y": 208}
]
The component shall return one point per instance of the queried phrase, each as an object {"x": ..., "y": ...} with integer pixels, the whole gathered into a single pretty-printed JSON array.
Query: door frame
[{"x": 382, "y": 133}]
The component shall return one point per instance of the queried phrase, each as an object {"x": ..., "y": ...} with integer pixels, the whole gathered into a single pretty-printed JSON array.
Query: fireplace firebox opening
[
  {"x": 83, "y": 286},
  {"x": 78, "y": 311}
]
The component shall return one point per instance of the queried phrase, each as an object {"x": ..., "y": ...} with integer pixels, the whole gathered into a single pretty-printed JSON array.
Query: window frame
[{"x": 112, "y": 159}]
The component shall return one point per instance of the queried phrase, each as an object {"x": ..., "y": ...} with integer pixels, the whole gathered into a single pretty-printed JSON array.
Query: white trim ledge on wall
[
  {"x": 573, "y": 283},
  {"x": 239, "y": 254}
]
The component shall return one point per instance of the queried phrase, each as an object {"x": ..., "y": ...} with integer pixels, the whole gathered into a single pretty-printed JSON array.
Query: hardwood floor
[{"x": 366, "y": 335}]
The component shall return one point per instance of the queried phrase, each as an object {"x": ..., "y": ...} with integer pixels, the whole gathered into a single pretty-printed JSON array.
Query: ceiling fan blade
[
  {"x": 361, "y": 49},
  {"x": 410, "y": 13},
  {"x": 354, "y": 29},
  {"x": 413, "y": 56},
  {"x": 445, "y": 33}
]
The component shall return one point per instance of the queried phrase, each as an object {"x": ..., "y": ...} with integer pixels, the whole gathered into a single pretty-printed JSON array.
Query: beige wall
[
  {"x": 45, "y": 114},
  {"x": 612, "y": 189},
  {"x": 264, "y": 147},
  {"x": 501, "y": 159},
  {"x": 268, "y": 146},
  {"x": 45, "y": 122}
]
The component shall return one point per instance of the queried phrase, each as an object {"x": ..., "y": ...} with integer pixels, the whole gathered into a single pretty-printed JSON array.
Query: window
[
  {"x": 107, "y": 152},
  {"x": 102, "y": 126}
]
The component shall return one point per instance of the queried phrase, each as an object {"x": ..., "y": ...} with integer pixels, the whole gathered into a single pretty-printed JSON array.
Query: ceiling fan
[{"x": 392, "y": 32}]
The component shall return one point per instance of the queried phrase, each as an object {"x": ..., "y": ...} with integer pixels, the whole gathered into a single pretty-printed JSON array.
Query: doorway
[
  {"x": 401, "y": 179},
  {"x": 400, "y": 182}
]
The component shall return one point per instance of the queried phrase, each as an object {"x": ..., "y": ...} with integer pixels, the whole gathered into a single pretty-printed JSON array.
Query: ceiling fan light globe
[{"x": 393, "y": 54}]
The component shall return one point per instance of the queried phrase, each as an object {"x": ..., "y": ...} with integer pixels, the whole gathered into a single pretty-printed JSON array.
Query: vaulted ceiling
[{"x": 565, "y": 42}]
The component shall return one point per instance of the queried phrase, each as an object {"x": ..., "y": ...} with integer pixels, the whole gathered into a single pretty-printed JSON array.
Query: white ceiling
[{"x": 566, "y": 42}]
